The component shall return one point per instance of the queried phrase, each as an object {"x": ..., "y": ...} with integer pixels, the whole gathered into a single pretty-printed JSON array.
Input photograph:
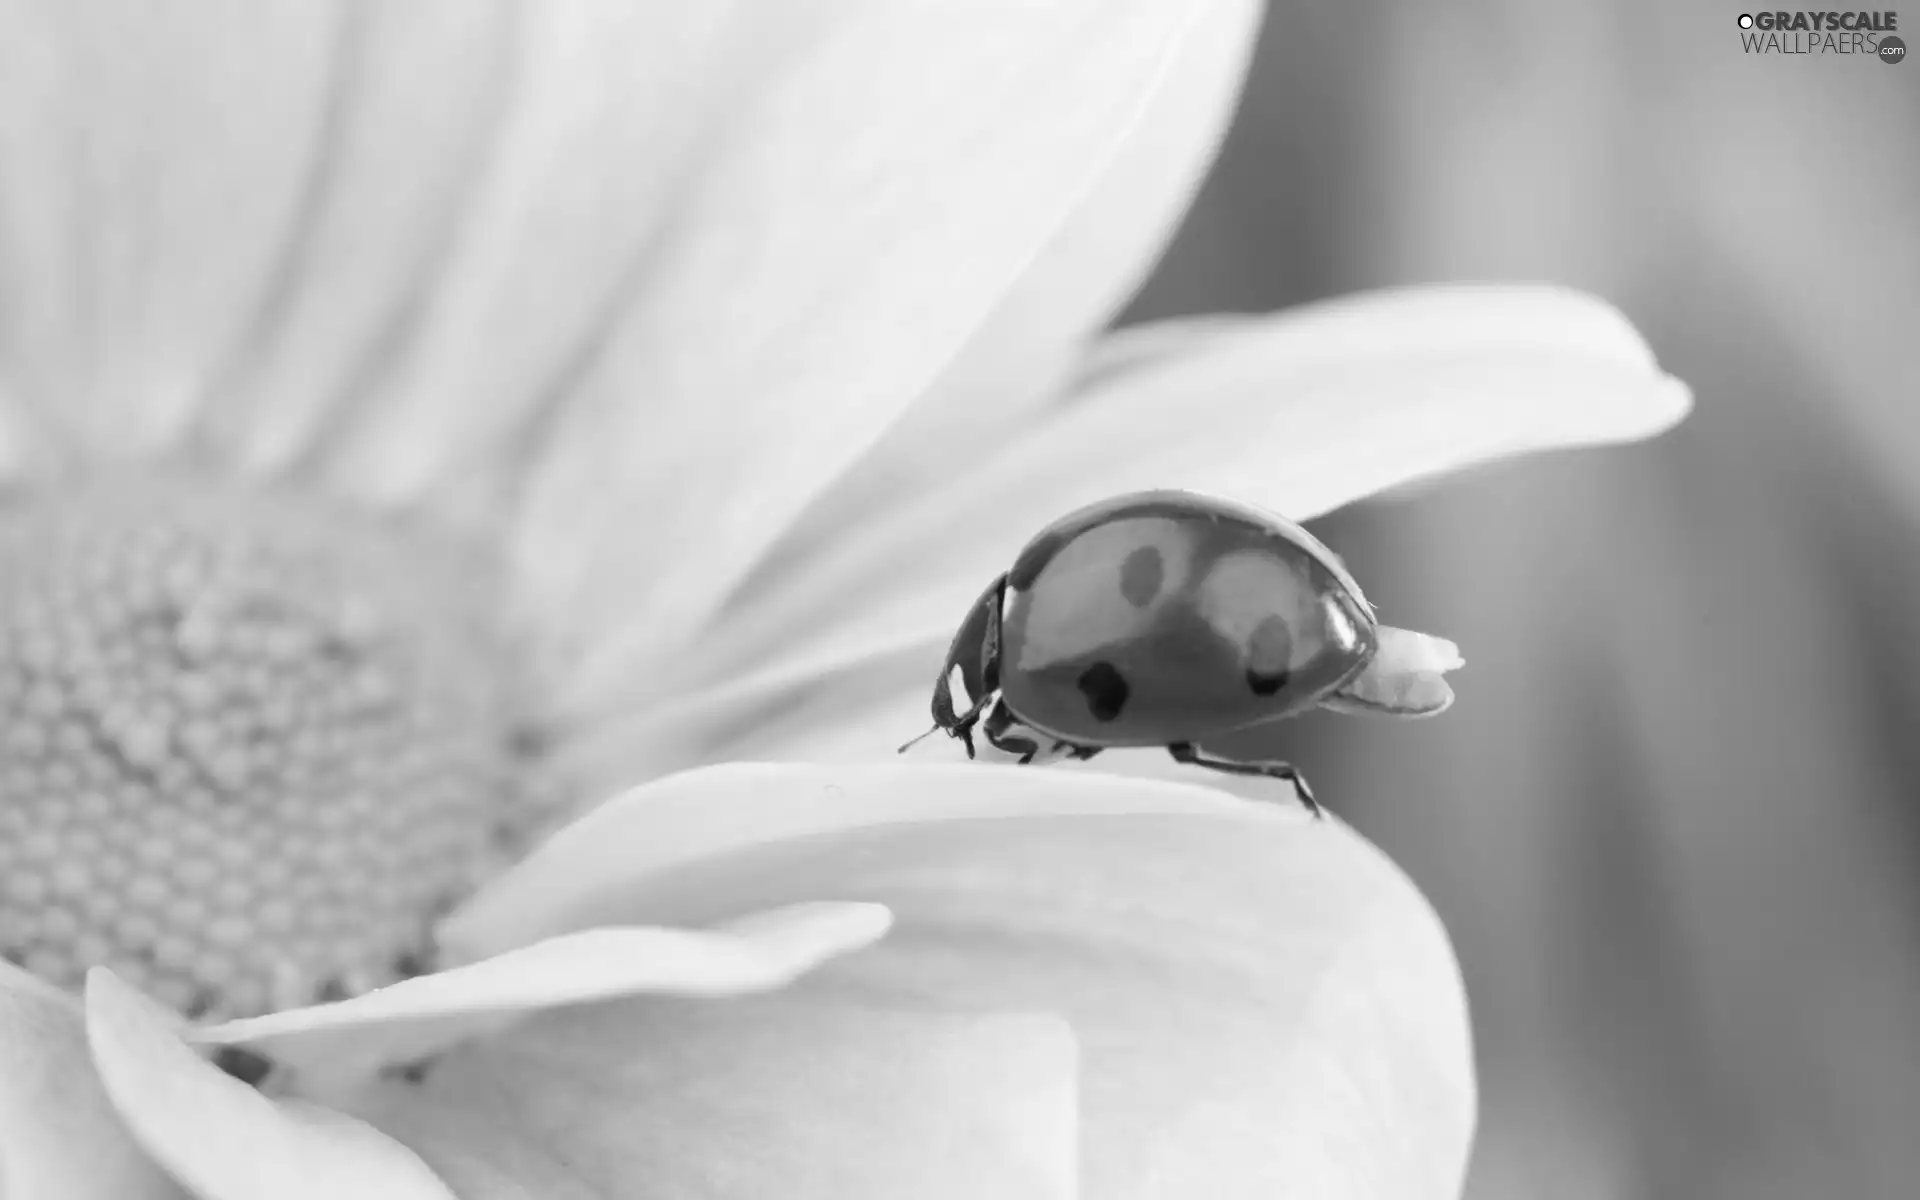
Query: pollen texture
[{"x": 249, "y": 748}]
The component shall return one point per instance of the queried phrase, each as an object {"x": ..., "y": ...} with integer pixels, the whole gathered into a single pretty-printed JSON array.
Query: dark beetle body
[
  {"x": 1156, "y": 619},
  {"x": 1146, "y": 620}
]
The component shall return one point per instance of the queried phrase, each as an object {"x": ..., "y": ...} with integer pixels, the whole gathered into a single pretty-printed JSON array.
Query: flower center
[{"x": 250, "y": 746}]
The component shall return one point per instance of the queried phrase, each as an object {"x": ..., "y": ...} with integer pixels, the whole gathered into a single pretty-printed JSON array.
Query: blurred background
[{"x": 1672, "y": 822}]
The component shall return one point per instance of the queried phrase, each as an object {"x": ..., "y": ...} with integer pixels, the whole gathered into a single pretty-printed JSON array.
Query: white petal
[
  {"x": 837, "y": 242},
  {"x": 1264, "y": 1005},
  {"x": 765, "y": 1097},
  {"x": 794, "y": 698},
  {"x": 220, "y": 1137},
  {"x": 715, "y": 811},
  {"x": 584, "y": 132},
  {"x": 1028, "y": 350},
  {"x": 331, "y": 1046},
  {"x": 259, "y": 241},
  {"x": 33, "y": 449},
  {"x": 154, "y": 164},
  {"x": 386, "y": 220},
  {"x": 59, "y": 1135},
  {"x": 1302, "y": 413}
]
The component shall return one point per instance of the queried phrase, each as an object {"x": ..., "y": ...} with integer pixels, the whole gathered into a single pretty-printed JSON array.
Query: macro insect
[{"x": 1169, "y": 619}]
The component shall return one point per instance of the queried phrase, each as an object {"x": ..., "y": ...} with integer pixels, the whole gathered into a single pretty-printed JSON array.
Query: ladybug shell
[{"x": 1163, "y": 617}]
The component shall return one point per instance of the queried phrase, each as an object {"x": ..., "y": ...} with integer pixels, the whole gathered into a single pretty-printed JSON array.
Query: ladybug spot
[
  {"x": 1141, "y": 576},
  {"x": 1265, "y": 685},
  {"x": 1269, "y": 655},
  {"x": 1105, "y": 690}
]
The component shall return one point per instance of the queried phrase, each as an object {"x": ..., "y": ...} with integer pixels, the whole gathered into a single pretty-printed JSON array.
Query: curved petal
[
  {"x": 333, "y": 1046},
  {"x": 153, "y": 162},
  {"x": 1302, "y": 413},
  {"x": 1264, "y": 1005},
  {"x": 832, "y": 250},
  {"x": 684, "y": 819},
  {"x": 854, "y": 701},
  {"x": 221, "y": 1138},
  {"x": 59, "y": 1134},
  {"x": 1027, "y": 351},
  {"x": 748, "y": 1099},
  {"x": 399, "y": 182},
  {"x": 245, "y": 232},
  {"x": 587, "y": 122}
]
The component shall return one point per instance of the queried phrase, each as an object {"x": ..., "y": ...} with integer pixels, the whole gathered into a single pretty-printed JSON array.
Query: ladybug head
[{"x": 971, "y": 673}]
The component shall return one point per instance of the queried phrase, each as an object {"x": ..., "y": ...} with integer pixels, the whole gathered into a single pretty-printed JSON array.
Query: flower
[{"x": 741, "y": 343}]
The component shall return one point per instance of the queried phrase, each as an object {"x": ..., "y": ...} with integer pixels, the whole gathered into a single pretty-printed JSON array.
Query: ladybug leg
[
  {"x": 997, "y": 730},
  {"x": 963, "y": 725},
  {"x": 1187, "y": 752},
  {"x": 959, "y": 725},
  {"x": 999, "y": 727},
  {"x": 1026, "y": 748}
]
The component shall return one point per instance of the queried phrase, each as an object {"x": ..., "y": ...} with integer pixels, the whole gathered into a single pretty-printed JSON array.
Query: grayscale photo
[{"x": 958, "y": 600}]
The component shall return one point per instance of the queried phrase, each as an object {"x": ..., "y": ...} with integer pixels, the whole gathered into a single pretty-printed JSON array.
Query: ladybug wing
[
  {"x": 1332, "y": 560},
  {"x": 1293, "y": 530}
]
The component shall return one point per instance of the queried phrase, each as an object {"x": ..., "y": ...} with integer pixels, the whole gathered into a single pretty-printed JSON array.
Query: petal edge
[{"x": 222, "y": 1138}]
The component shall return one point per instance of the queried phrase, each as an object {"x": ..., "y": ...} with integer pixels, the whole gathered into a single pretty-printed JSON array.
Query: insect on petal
[{"x": 1301, "y": 413}]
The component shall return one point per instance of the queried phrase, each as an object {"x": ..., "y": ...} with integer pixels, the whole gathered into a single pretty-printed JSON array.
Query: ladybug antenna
[{"x": 916, "y": 741}]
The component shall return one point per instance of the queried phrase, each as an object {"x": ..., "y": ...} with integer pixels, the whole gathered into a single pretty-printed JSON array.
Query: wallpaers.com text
[{"x": 1863, "y": 33}]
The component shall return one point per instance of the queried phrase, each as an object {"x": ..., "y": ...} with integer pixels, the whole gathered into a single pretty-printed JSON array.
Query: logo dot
[
  {"x": 1892, "y": 49},
  {"x": 1746, "y": 20}
]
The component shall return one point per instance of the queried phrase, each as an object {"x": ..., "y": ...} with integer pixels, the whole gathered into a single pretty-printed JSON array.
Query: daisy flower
[{"x": 445, "y": 442}]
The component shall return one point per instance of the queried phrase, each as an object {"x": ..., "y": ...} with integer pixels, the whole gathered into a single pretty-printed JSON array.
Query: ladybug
[{"x": 1169, "y": 618}]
